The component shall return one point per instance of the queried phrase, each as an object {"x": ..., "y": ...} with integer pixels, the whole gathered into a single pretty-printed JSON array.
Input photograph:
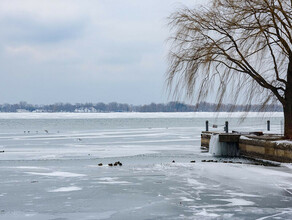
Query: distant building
[
  {"x": 39, "y": 111},
  {"x": 86, "y": 110},
  {"x": 21, "y": 110}
]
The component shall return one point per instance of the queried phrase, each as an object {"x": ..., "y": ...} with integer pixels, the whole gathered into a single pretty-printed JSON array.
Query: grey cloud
[
  {"x": 27, "y": 29},
  {"x": 127, "y": 53},
  {"x": 108, "y": 50}
]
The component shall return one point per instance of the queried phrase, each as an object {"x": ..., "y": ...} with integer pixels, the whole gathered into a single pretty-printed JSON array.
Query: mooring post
[
  {"x": 226, "y": 126},
  {"x": 268, "y": 125},
  {"x": 207, "y": 125}
]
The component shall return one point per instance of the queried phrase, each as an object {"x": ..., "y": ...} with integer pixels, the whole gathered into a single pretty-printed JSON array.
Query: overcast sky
[{"x": 84, "y": 51}]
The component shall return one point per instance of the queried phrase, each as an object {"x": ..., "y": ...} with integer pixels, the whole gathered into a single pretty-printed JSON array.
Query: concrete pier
[{"x": 259, "y": 147}]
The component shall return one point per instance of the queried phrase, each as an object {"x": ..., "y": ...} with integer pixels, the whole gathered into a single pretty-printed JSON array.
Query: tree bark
[
  {"x": 287, "y": 107},
  {"x": 288, "y": 121}
]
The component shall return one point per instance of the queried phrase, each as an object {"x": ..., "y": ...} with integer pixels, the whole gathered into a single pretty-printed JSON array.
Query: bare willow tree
[{"x": 239, "y": 49}]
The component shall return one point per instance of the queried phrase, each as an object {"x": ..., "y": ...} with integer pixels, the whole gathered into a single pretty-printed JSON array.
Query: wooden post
[
  {"x": 226, "y": 126},
  {"x": 207, "y": 125},
  {"x": 268, "y": 125}
]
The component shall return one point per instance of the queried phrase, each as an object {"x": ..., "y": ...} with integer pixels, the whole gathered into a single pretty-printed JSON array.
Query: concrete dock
[{"x": 259, "y": 147}]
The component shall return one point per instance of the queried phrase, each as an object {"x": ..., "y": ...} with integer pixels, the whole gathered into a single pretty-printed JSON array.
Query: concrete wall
[
  {"x": 205, "y": 139},
  {"x": 261, "y": 149}
]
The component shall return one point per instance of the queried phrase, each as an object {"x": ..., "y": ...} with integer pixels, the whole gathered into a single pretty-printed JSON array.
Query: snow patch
[
  {"x": 244, "y": 195},
  {"x": 112, "y": 181},
  {"x": 30, "y": 168},
  {"x": 288, "y": 165},
  {"x": 236, "y": 202},
  {"x": 57, "y": 174},
  {"x": 185, "y": 199},
  {"x": 288, "y": 142},
  {"x": 206, "y": 214},
  {"x": 194, "y": 182},
  {"x": 66, "y": 189},
  {"x": 245, "y": 138}
]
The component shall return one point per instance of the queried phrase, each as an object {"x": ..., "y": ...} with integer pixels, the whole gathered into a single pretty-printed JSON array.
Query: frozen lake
[{"x": 49, "y": 169}]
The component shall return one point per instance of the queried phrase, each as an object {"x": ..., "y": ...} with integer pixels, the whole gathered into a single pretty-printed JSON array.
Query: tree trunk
[
  {"x": 287, "y": 107},
  {"x": 288, "y": 121}
]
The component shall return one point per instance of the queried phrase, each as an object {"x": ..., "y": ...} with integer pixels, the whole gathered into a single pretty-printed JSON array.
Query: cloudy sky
[{"x": 84, "y": 50}]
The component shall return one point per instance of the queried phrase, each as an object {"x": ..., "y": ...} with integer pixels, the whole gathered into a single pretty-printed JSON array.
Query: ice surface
[{"x": 56, "y": 175}]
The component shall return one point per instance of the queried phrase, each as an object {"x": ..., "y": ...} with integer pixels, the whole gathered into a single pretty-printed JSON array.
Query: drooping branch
[{"x": 232, "y": 40}]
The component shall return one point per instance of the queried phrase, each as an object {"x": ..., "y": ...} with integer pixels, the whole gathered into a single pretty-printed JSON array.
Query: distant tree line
[{"x": 118, "y": 107}]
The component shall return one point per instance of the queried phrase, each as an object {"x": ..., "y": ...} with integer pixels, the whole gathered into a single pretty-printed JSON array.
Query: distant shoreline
[
  {"x": 72, "y": 115},
  {"x": 121, "y": 107}
]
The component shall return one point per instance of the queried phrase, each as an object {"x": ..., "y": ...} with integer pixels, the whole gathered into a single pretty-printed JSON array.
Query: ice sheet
[{"x": 57, "y": 175}]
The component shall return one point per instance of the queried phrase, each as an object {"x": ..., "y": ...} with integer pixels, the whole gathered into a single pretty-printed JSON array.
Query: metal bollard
[
  {"x": 268, "y": 125},
  {"x": 226, "y": 126},
  {"x": 207, "y": 125}
]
